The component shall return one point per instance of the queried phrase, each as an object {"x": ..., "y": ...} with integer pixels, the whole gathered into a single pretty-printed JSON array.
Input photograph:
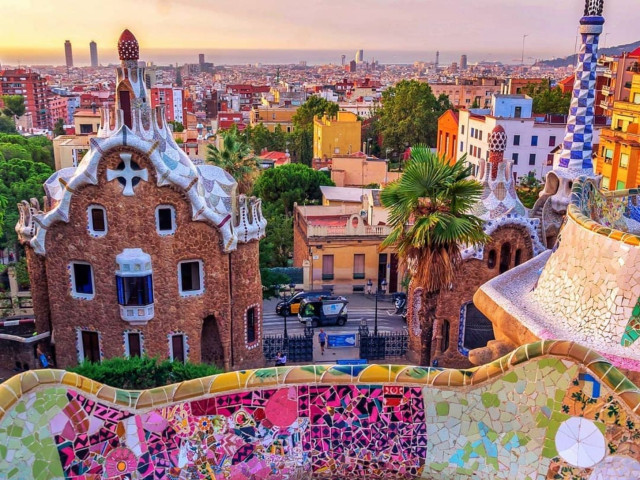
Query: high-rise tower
[
  {"x": 359, "y": 56},
  {"x": 463, "y": 62},
  {"x": 68, "y": 54},
  {"x": 93, "y": 50}
]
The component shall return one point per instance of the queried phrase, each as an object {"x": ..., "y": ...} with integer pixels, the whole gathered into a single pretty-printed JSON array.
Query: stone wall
[
  {"x": 548, "y": 410},
  {"x": 131, "y": 224},
  {"x": 472, "y": 274}
]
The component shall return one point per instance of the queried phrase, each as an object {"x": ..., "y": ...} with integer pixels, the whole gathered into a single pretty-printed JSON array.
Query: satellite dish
[{"x": 363, "y": 213}]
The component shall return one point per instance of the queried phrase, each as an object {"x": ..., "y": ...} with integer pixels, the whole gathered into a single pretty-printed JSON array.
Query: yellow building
[
  {"x": 619, "y": 153},
  {"x": 338, "y": 244},
  {"x": 68, "y": 150},
  {"x": 358, "y": 170},
  {"x": 272, "y": 117},
  {"x": 86, "y": 121},
  {"x": 341, "y": 135}
]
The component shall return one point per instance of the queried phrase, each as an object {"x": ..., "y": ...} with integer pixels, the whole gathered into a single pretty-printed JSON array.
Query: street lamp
[
  {"x": 292, "y": 289},
  {"x": 383, "y": 287}
]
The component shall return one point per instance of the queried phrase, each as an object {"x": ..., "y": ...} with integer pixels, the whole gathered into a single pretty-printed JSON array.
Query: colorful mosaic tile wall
[{"x": 548, "y": 410}]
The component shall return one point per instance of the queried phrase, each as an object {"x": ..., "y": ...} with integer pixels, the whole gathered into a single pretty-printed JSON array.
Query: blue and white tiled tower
[
  {"x": 577, "y": 149},
  {"x": 577, "y": 152}
]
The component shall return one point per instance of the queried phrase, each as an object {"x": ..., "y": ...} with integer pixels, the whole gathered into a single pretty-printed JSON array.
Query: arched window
[
  {"x": 505, "y": 257},
  {"x": 445, "y": 335},
  {"x": 491, "y": 261},
  {"x": 518, "y": 256}
]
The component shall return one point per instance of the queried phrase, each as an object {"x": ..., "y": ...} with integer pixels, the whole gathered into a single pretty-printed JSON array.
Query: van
[{"x": 291, "y": 306}]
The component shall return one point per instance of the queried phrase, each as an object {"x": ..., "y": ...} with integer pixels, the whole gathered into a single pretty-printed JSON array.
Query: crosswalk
[{"x": 388, "y": 321}]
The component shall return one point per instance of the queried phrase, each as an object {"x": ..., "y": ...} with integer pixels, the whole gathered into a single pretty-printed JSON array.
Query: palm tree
[
  {"x": 236, "y": 158},
  {"x": 428, "y": 211}
]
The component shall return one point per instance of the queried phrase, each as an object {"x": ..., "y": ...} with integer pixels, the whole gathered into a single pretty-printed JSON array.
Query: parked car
[
  {"x": 318, "y": 312},
  {"x": 291, "y": 306}
]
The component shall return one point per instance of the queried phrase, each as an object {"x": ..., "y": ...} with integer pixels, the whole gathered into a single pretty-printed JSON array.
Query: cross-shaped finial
[{"x": 127, "y": 173}]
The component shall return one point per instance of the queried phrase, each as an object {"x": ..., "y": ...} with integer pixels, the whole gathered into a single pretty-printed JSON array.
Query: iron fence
[
  {"x": 297, "y": 348},
  {"x": 382, "y": 346}
]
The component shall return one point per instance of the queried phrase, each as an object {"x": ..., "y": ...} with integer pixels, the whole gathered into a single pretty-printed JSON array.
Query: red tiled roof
[{"x": 635, "y": 53}]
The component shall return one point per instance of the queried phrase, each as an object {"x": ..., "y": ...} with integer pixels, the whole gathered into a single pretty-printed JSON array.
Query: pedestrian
[
  {"x": 10, "y": 257},
  {"x": 322, "y": 338},
  {"x": 369, "y": 287},
  {"x": 281, "y": 360}
]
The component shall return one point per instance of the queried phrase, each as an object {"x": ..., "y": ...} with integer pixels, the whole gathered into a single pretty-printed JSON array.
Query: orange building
[
  {"x": 619, "y": 153},
  {"x": 448, "y": 135}
]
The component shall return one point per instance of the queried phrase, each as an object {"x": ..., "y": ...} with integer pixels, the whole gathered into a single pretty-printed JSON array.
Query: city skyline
[{"x": 197, "y": 26}]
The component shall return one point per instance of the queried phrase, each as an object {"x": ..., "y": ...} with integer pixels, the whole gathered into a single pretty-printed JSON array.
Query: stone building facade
[{"x": 139, "y": 251}]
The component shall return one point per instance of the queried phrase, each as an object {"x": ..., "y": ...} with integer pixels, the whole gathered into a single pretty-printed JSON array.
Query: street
[{"x": 360, "y": 307}]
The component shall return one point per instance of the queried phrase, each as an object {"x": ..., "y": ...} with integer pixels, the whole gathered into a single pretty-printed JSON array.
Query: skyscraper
[
  {"x": 201, "y": 59},
  {"x": 359, "y": 56},
  {"x": 68, "y": 54},
  {"x": 342, "y": 58},
  {"x": 463, "y": 62},
  {"x": 93, "y": 50}
]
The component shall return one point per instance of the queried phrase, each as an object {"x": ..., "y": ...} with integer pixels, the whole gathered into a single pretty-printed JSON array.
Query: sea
[{"x": 246, "y": 57}]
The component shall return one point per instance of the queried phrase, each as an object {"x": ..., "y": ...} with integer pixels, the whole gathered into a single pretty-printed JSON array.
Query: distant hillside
[{"x": 571, "y": 59}]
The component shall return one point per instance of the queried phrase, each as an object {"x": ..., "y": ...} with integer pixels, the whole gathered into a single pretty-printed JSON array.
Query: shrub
[{"x": 142, "y": 373}]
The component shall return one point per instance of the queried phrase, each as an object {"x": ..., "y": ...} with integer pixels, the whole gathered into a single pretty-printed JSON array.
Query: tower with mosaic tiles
[
  {"x": 576, "y": 157},
  {"x": 577, "y": 148}
]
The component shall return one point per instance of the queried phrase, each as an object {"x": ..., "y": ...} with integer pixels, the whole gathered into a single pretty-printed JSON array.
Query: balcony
[
  {"x": 607, "y": 90},
  {"x": 135, "y": 315},
  {"x": 349, "y": 230},
  {"x": 608, "y": 73}
]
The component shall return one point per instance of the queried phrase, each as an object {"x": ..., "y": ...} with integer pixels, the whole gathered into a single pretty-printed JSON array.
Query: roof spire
[
  {"x": 128, "y": 48},
  {"x": 497, "y": 146},
  {"x": 593, "y": 8}
]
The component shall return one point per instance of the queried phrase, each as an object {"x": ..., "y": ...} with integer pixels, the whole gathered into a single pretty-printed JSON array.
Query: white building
[{"x": 530, "y": 139}]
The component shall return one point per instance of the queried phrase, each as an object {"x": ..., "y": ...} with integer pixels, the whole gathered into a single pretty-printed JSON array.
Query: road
[{"x": 360, "y": 307}]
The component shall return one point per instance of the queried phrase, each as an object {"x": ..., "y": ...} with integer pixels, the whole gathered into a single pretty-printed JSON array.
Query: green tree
[
  {"x": 301, "y": 145},
  {"x": 13, "y": 105},
  {"x": 277, "y": 245},
  {"x": 409, "y": 115},
  {"x": 236, "y": 158},
  {"x": 260, "y": 137},
  {"x": 20, "y": 179},
  {"x": 177, "y": 126},
  {"x": 7, "y": 125},
  {"x": 58, "y": 128},
  {"x": 547, "y": 100},
  {"x": 314, "y": 106},
  {"x": 280, "y": 187},
  {"x": 428, "y": 209},
  {"x": 39, "y": 148}
]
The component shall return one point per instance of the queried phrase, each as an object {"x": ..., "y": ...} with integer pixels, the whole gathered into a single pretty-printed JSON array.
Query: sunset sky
[{"x": 33, "y": 30}]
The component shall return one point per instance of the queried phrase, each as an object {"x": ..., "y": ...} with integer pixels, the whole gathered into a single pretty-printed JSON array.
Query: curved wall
[{"x": 514, "y": 418}]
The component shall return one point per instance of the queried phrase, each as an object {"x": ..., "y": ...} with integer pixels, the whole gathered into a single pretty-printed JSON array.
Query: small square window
[
  {"x": 514, "y": 157},
  {"x": 190, "y": 281},
  {"x": 165, "y": 220},
  {"x": 516, "y": 140},
  {"x": 97, "y": 221},
  {"x": 534, "y": 141},
  {"x": 82, "y": 280}
]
